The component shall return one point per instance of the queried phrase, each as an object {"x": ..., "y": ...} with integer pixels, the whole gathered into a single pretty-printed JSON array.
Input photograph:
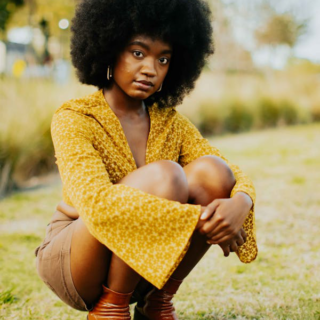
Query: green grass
[{"x": 284, "y": 281}]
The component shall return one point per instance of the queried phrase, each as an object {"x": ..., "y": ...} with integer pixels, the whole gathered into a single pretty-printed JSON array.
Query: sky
[{"x": 309, "y": 46}]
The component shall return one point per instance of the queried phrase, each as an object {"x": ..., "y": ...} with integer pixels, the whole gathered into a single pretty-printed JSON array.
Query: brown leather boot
[
  {"x": 111, "y": 305},
  {"x": 157, "y": 303}
]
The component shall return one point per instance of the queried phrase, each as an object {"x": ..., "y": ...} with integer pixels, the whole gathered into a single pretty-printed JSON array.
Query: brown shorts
[{"x": 53, "y": 263}]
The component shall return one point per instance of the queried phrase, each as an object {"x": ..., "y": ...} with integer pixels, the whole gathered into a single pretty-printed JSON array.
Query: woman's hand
[
  {"x": 223, "y": 218},
  {"x": 233, "y": 244},
  {"x": 71, "y": 212}
]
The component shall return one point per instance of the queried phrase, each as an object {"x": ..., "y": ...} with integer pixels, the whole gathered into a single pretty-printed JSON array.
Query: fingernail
[{"x": 204, "y": 215}]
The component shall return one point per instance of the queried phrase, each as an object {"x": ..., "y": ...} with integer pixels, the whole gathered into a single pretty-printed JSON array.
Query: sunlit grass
[{"x": 283, "y": 283}]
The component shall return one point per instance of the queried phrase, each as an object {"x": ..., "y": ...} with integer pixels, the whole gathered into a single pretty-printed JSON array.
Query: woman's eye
[
  {"x": 137, "y": 54},
  {"x": 164, "y": 60}
]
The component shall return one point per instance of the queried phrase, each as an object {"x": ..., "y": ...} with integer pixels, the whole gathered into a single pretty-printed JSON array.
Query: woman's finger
[
  {"x": 243, "y": 235},
  {"x": 209, "y": 211},
  {"x": 214, "y": 232},
  {"x": 215, "y": 226},
  {"x": 222, "y": 239},
  {"x": 233, "y": 246},
  {"x": 225, "y": 232},
  {"x": 239, "y": 240},
  {"x": 226, "y": 250},
  {"x": 70, "y": 211}
]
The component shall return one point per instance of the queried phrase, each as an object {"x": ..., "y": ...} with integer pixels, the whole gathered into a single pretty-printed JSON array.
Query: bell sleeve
[
  {"x": 193, "y": 146},
  {"x": 149, "y": 233}
]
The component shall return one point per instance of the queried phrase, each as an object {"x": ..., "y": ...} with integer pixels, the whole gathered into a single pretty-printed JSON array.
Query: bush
[
  {"x": 269, "y": 112},
  {"x": 315, "y": 113},
  {"x": 289, "y": 113},
  {"x": 26, "y": 148},
  {"x": 239, "y": 118},
  {"x": 211, "y": 118},
  {"x": 24, "y": 153}
]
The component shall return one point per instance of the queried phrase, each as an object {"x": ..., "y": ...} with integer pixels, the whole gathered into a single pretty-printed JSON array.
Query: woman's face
[{"x": 142, "y": 67}]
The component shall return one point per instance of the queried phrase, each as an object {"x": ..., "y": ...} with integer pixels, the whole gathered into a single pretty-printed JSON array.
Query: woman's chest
[
  {"x": 137, "y": 135},
  {"x": 125, "y": 148}
]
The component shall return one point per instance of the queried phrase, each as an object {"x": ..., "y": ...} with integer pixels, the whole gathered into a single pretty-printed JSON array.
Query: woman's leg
[
  {"x": 92, "y": 264},
  {"x": 209, "y": 178}
]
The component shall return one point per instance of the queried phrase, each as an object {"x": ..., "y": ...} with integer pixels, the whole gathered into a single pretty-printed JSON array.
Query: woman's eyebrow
[{"x": 142, "y": 44}]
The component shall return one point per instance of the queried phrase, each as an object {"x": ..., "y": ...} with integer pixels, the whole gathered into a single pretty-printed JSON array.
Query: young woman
[{"x": 144, "y": 194}]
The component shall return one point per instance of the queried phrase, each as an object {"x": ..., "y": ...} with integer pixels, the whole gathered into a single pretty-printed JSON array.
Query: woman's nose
[{"x": 148, "y": 68}]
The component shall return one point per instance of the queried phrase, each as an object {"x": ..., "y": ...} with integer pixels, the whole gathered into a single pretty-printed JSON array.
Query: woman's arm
[{"x": 193, "y": 146}]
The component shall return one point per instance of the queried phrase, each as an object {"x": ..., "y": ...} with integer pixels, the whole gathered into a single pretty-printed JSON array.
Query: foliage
[
  {"x": 239, "y": 118},
  {"x": 210, "y": 118},
  {"x": 289, "y": 113},
  {"x": 7, "y": 8},
  {"x": 26, "y": 148},
  {"x": 25, "y": 142},
  {"x": 315, "y": 113},
  {"x": 50, "y": 10},
  {"x": 231, "y": 116},
  {"x": 298, "y": 67},
  {"x": 269, "y": 112},
  {"x": 272, "y": 26},
  {"x": 6, "y": 297},
  {"x": 242, "y": 115},
  {"x": 220, "y": 104},
  {"x": 281, "y": 29},
  {"x": 241, "y": 102}
]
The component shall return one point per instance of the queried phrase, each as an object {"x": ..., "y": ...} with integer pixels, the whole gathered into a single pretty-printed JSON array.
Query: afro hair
[{"x": 102, "y": 28}]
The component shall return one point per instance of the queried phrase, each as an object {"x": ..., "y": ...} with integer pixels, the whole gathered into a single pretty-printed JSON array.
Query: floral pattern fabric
[{"x": 149, "y": 233}]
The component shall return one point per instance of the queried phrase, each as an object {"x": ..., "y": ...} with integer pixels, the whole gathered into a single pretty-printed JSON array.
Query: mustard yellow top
[{"x": 149, "y": 233}]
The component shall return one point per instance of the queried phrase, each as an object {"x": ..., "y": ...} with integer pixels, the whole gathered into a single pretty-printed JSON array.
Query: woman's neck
[{"x": 123, "y": 105}]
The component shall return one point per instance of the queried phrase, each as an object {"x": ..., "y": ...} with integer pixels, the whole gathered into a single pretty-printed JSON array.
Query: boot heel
[
  {"x": 111, "y": 305},
  {"x": 138, "y": 315}
]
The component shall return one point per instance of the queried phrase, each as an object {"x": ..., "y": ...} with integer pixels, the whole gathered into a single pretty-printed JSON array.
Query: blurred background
[
  {"x": 265, "y": 73},
  {"x": 257, "y": 100}
]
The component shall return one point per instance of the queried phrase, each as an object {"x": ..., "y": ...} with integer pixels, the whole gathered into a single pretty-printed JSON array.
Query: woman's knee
[
  {"x": 163, "y": 178},
  {"x": 210, "y": 175}
]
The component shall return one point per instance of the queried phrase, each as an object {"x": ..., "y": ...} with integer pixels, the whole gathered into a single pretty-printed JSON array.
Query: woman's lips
[{"x": 145, "y": 86}]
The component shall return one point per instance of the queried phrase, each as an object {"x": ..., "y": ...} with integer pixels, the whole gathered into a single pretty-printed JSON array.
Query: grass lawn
[{"x": 284, "y": 281}]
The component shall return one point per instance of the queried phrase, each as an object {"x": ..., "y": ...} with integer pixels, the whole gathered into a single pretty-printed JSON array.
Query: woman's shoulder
[
  {"x": 76, "y": 114},
  {"x": 169, "y": 113},
  {"x": 82, "y": 105}
]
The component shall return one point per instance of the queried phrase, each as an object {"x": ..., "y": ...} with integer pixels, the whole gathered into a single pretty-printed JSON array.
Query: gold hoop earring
[
  {"x": 109, "y": 73},
  {"x": 159, "y": 88}
]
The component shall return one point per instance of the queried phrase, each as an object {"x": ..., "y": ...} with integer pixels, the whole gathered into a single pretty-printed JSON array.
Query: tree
[
  {"x": 7, "y": 8},
  {"x": 281, "y": 29},
  {"x": 270, "y": 27},
  {"x": 36, "y": 11},
  {"x": 230, "y": 55}
]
